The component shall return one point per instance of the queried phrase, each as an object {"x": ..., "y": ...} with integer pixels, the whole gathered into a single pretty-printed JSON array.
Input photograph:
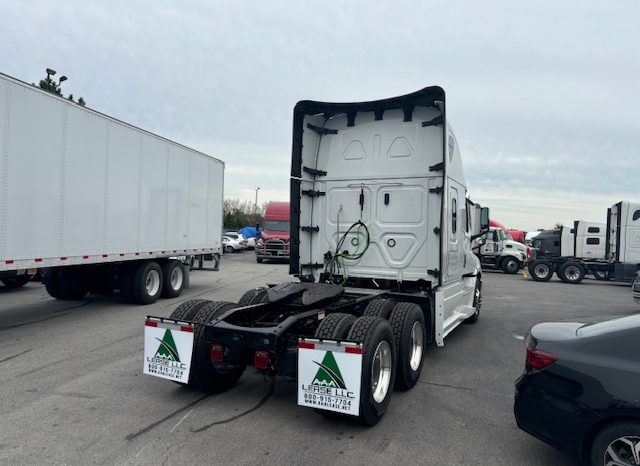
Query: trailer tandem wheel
[
  {"x": 127, "y": 271},
  {"x": 203, "y": 373},
  {"x": 173, "y": 279},
  {"x": 408, "y": 325},
  {"x": 65, "y": 283},
  {"x": 378, "y": 366},
  {"x": 147, "y": 282}
]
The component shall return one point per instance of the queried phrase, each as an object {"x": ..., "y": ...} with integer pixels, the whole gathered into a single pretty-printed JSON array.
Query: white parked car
[
  {"x": 239, "y": 237},
  {"x": 231, "y": 244}
]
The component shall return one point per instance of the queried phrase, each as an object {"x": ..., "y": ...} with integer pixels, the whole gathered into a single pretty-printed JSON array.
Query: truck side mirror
[{"x": 484, "y": 219}]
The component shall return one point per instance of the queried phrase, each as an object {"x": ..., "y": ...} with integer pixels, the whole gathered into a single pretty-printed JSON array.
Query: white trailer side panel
[{"x": 77, "y": 186}]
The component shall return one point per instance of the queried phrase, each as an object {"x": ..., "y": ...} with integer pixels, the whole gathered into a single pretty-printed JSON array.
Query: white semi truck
[
  {"x": 608, "y": 251},
  {"x": 99, "y": 204},
  {"x": 381, "y": 234},
  {"x": 500, "y": 251}
]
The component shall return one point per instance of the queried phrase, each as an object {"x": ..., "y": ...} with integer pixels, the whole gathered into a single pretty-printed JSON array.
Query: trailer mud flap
[
  {"x": 330, "y": 375},
  {"x": 168, "y": 346}
]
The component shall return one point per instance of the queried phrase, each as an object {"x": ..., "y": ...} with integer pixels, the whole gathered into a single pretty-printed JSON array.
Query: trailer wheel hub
[{"x": 152, "y": 284}]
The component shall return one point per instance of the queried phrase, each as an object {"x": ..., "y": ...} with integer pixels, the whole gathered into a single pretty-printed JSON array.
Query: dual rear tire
[
  {"x": 393, "y": 339},
  {"x": 204, "y": 374},
  {"x": 571, "y": 272}
]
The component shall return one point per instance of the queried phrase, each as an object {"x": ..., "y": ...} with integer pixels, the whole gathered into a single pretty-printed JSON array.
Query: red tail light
[
  {"x": 261, "y": 360},
  {"x": 538, "y": 359},
  {"x": 217, "y": 353},
  {"x": 529, "y": 252}
]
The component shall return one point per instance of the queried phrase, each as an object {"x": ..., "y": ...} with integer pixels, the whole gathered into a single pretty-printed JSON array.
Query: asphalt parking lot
[{"x": 73, "y": 392}]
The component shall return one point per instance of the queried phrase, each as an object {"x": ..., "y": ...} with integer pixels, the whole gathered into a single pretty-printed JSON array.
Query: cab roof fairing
[{"x": 433, "y": 97}]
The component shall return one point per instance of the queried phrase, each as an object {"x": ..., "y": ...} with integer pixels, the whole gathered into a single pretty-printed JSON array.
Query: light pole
[
  {"x": 255, "y": 210},
  {"x": 50, "y": 73}
]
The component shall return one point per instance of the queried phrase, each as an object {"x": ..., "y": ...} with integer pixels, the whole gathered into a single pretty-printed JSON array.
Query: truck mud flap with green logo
[
  {"x": 167, "y": 349},
  {"x": 329, "y": 375}
]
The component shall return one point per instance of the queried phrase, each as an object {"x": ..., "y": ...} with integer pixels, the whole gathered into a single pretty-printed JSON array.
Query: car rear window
[{"x": 609, "y": 326}]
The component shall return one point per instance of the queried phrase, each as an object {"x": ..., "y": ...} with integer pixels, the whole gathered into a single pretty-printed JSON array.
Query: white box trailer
[{"x": 98, "y": 203}]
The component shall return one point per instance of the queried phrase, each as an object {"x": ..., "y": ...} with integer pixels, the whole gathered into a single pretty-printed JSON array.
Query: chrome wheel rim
[
  {"x": 176, "y": 278},
  {"x": 623, "y": 451},
  {"x": 512, "y": 266},
  {"x": 542, "y": 271},
  {"x": 381, "y": 371},
  {"x": 152, "y": 283},
  {"x": 416, "y": 346},
  {"x": 572, "y": 273}
]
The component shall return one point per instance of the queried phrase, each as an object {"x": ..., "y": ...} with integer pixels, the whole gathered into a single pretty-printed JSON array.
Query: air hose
[{"x": 335, "y": 268}]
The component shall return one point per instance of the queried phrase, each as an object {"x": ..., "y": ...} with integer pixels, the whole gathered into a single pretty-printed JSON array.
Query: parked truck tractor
[
  {"x": 274, "y": 241},
  {"x": 499, "y": 251},
  {"x": 606, "y": 251},
  {"x": 381, "y": 235}
]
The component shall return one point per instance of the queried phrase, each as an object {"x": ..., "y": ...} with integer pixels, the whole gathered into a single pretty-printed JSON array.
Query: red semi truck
[{"x": 274, "y": 239}]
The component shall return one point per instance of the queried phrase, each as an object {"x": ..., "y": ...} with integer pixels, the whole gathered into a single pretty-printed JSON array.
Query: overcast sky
[{"x": 544, "y": 96}]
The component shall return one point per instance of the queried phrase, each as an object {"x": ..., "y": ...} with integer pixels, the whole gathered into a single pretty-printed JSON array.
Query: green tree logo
[
  {"x": 328, "y": 374},
  {"x": 167, "y": 349}
]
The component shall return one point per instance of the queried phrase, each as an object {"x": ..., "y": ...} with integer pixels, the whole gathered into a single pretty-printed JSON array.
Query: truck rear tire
[
  {"x": 378, "y": 366},
  {"x": 173, "y": 279},
  {"x": 379, "y": 308},
  {"x": 510, "y": 265},
  {"x": 147, "y": 283},
  {"x": 541, "y": 270},
  {"x": 17, "y": 281},
  {"x": 409, "y": 329},
  {"x": 335, "y": 326},
  {"x": 571, "y": 272},
  {"x": 187, "y": 310},
  {"x": 204, "y": 374},
  {"x": 255, "y": 296}
]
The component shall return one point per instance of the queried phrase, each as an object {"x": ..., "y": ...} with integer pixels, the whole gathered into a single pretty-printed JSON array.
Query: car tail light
[
  {"x": 538, "y": 359},
  {"x": 217, "y": 353},
  {"x": 261, "y": 359}
]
